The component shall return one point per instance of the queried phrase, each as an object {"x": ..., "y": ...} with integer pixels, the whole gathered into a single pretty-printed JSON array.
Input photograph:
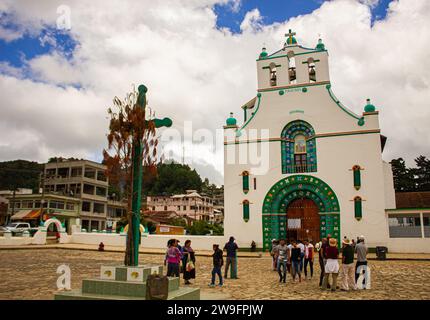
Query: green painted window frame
[
  {"x": 358, "y": 208},
  {"x": 245, "y": 208},
  {"x": 356, "y": 170},
  {"x": 245, "y": 182}
]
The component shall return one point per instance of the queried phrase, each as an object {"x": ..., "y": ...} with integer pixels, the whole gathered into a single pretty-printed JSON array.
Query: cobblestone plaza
[{"x": 31, "y": 274}]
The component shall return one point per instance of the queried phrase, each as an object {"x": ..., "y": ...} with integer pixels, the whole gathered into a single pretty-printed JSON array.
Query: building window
[
  {"x": 245, "y": 181},
  {"x": 27, "y": 204},
  {"x": 245, "y": 205},
  {"x": 63, "y": 172},
  {"x": 86, "y": 206},
  {"x": 298, "y": 148},
  {"x": 76, "y": 172},
  {"x": 99, "y": 207},
  {"x": 426, "y": 223},
  {"x": 404, "y": 226},
  {"x": 101, "y": 176},
  {"x": 90, "y": 173},
  {"x": 70, "y": 206},
  {"x": 56, "y": 205},
  {"x": 357, "y": 176},
  {"x": 273, "y": 77},
  {"x": 88, "y": 189},
  {"x": 255, "y": 183},
  {"x": 100, "y": 191},
  {"x": 358, "y": 208}
]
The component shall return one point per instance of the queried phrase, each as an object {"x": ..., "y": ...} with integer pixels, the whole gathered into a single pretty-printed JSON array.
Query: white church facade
[{"x": 325, "y": 170}]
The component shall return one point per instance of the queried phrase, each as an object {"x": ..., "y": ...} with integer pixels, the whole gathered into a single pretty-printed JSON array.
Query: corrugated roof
[{"x": 406, "y": 200}]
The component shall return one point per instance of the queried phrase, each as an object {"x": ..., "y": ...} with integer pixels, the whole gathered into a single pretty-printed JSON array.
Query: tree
[
  {"x": 402, "y": 176},
  {"x": 200, "y": 228},
  {"x": 422, "y": 173},
  {"x": 20, "y": 174},
  {"x": 172, "y": 178},
  {"x": 132, "y": 143}
]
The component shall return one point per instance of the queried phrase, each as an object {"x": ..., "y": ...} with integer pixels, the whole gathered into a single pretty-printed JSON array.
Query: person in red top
[{"x": 309, "y": 258}]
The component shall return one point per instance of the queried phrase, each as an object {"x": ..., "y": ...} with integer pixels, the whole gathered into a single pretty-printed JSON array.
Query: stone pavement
[
  {"x": 89, "y": 247},
  {"x": 31, "y": 274}
]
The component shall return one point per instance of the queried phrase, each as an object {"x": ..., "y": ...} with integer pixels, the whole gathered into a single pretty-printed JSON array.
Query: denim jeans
[
  {"x": 282, "y": 263},
  {"x": 216, "y": 271},
  {"x": 302, "y": 256},
  {"x": 296, "y": 268}
]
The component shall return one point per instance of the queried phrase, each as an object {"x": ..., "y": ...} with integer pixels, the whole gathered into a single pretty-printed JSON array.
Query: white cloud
[
  {"x": 197, "y": 72},
  {"x": 252, "y": 21}
]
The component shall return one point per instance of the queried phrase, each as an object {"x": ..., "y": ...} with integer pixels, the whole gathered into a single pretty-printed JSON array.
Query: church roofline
[{"x": 272, "y": 56}]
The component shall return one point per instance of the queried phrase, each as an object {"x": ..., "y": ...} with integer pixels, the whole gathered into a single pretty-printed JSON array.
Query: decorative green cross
[
  {"x": 290, "y": 35},
  {"x": 137, "y": 175}
]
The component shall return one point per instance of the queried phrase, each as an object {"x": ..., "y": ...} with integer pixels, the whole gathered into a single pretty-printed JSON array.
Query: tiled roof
[{"x": 406, "y": 200}]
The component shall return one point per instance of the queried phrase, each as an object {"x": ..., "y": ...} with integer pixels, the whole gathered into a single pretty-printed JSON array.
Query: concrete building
[
  {"x": 72, "y": 189},
  {"x": 320, "y": 171},
  {"x": 191, "y": 204}
]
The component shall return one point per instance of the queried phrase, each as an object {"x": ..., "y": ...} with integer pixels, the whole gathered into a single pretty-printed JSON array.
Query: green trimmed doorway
[{"x": 299, "y": 203}]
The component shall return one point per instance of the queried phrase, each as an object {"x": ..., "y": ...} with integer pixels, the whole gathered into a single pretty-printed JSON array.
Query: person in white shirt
[{"x": 309, "y": 258}]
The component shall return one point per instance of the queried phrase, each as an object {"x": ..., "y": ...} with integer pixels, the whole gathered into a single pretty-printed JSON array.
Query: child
[
  {"x": 173, "y": 258},
  {"x": 217, "y": 264}
]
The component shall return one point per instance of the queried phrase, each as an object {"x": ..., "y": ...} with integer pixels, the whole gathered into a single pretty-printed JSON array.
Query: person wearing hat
[
  {"x": 348, "y": 278},
  {"x": 361, "y": 250},
  {"x": 332, "y": 265}
]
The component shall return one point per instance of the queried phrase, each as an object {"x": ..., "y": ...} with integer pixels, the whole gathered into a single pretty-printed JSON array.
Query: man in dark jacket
[
  {"x": 218, "y": 261},
  {"x": 231, "y": 248}
]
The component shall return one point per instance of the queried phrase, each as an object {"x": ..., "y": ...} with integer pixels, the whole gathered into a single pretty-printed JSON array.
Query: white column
[{"x": 422, "y": 224}]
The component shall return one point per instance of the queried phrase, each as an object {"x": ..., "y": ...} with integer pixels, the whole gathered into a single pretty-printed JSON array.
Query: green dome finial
[
  {"x": 263, "y": 53},
  {"x": 369, "y": 107},
  {"x": 231, "y": 121},
  {"x": 290, "y": 40},
  {"x": 320, "y": 45}
]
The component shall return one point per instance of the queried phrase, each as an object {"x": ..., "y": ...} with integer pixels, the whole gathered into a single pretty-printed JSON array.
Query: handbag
[{"x": 190, "y": 266}]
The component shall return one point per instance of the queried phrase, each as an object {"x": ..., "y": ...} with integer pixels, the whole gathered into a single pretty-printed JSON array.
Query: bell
[{"x": 312, "y": 74}]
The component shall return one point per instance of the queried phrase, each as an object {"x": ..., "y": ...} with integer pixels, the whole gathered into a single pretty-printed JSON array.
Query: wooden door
[{"x": 303, "y": 221}]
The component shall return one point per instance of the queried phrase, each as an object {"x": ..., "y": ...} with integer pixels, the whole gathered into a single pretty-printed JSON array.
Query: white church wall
[{"x": 390, "y": 194}]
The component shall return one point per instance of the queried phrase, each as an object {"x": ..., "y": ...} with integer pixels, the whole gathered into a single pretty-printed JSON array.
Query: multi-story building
[
  {"x": 191, "y": 204},
  {"x": 72, "y": 189}
]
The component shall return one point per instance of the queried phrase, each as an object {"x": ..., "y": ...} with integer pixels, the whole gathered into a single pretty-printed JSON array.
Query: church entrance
[
  {"x": 303, "y": 220},
  {"x": 300, "y": 207}
]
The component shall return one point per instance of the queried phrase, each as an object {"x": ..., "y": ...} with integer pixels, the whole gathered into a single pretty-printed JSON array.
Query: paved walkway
[
  {"x": 204, "y": 253},
  {"x": 31, "y": 274}
]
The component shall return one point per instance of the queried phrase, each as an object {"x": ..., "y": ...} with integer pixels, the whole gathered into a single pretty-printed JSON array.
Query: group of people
[
  {"x": 293, "y": 258},
  {"x": 296, "y": 256},
  {"x": 181, "y": 259}
]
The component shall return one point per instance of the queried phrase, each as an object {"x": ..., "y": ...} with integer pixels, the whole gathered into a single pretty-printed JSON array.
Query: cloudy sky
[{"x": 197, "y": 57}]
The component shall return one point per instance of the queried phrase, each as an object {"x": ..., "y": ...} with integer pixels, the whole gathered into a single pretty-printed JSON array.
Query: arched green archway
[{"x": 295, "y": 187}]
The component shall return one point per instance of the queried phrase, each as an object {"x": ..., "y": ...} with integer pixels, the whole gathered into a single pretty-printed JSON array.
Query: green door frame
[{"x": 295, "y": 187}]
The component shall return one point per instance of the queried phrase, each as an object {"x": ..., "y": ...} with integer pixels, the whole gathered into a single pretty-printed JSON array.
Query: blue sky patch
[
  {"x": 278, "y": 11},
  {"x": 30, "y": 46}
]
